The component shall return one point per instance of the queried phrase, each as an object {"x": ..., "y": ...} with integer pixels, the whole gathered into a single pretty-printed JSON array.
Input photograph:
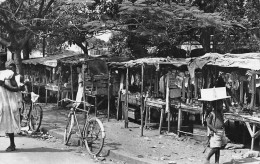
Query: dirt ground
[{"x": 166, "y": 148}]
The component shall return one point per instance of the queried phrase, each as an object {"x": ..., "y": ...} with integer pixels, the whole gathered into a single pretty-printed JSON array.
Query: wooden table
[
  {"x": 38, "y": 86},
  {"x": 248, "y": 120},
  {"x": 51, "y": 87},
  {"x": 189, "y": 109},
  {"x": 95, "y": 96},
  {"x": 155, "y": 104}
]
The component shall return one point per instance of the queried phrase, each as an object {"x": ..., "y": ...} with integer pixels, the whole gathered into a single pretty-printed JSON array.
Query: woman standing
[{"x": 9, "y": 113}]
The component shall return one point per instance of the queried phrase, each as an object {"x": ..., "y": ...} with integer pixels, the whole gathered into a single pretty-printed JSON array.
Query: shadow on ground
[
  {"x": 244, "y": 161},
  {"x": 38, "y": 149}
]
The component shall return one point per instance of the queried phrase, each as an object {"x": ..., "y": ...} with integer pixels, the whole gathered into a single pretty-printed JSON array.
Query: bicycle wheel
[
  {"x": 94, "y": 136},
  {"x": 35, "y": 118},
  {"x": 24, "y": 111},
  {"x": 68, "y": 129}
]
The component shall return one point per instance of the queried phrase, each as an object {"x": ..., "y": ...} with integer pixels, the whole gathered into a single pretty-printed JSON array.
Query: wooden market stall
[
  {"x": 158, "y": 84},
  {"x": 45, "y": 73},
  {"x": 95, "y": 72},
  {"x": 240, "y": 74}
]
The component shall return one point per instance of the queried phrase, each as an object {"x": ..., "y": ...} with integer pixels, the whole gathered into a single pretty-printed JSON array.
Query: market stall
[
  {"x": 95, "y": 72},
  {"x": 239, "y": 73},
  {"x": 154, "y": 85},
  {"x": 45, "y": 73}
]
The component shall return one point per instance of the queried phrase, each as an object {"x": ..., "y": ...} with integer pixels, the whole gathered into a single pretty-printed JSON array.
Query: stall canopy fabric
[
  {"x": 152, "y": 61},
  {"x": 51, "y": 61},
  {"x": 249, "y": 61}
]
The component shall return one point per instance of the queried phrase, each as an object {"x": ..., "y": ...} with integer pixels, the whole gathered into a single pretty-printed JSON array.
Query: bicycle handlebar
[{"x": 86, "y": 103}]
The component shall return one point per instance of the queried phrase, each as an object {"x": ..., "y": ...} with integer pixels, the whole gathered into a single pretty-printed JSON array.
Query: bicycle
[
  {"x": 92, "y": 134},
  {"x": 31, "y": 113}
]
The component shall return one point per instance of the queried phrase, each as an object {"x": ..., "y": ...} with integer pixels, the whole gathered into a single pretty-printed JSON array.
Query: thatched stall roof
[
  {"x": 249, "y": 61},
  {"x": 177, "y": 62},
  {"x": 50, "y": 61},
  {"x": 79, "y": 59}
]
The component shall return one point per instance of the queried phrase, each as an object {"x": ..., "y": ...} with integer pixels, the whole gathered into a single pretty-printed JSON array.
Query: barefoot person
[
  {"x": 9, "y": 113},
  {"x": 215, "y": 123}
]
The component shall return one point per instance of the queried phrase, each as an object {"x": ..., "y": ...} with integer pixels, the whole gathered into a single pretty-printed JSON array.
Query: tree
[
  {"x": 20, "y": 20},
  {"x": 62, "y": 21},
  {"x": 198, "y": 20}
]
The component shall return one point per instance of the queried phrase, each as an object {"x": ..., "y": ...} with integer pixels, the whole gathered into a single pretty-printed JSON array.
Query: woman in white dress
[{"x": 9, "y": 113}]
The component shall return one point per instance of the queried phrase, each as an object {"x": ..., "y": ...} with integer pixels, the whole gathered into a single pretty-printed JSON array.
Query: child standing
[{"x": 215, "y": 123}]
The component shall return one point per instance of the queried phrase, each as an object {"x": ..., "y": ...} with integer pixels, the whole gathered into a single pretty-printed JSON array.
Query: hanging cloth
[
  {"x": 161, "y": 85},
  {"x": 132, "y": 80},
  {"x": 167, "y": 107}
]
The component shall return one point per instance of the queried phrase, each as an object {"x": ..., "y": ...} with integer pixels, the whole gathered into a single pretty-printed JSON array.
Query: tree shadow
[
  {"x": 38, "y": 149},
  {"x": 112, "y": 145},
  {"x": 244, "y": 161},
  {"x": 109, "y": 147}
]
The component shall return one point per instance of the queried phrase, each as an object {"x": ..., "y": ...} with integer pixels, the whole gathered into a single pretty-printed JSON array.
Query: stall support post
[
  {"x": 156, "y": 86},
  {"x": 252, "y": 133},
  {"x": 179, "y": 122},
  {"x": 183, "y": 90},
  {"x": 126, "y": 99},
  {"x": 71, "y": 81},
  {"x": 196, "y": 87},
  {"x": 46, "y": 96},
  {"x": 108, "y": 94},
  {"x": 96, "y": 105},
  {"x": 59, "y": 88},
  {"x": 161, "y": 120},
  {"x": 84, "y": 84},
  {"x": 253, "y": 91},
  {"x": 45, "y": 85},
  {"x": 241, "y": 92},
  {"x": 142, "y": 102},
  {"x": 119, "y": 96},
  {"x": 168, "y": 106}
]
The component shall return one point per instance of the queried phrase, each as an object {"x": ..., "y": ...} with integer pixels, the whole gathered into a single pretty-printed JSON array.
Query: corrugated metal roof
[{"x": 50, "y": 61}]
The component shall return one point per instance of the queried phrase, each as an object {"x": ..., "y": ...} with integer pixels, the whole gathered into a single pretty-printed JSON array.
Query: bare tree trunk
[
  {"x": 205, "y": 39},
  {"x": 18, "y": 61},
  {"x": 26, "y": 51}
]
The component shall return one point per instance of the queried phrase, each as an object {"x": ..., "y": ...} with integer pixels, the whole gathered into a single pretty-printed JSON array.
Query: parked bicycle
[
  {"x": 92, "y": 133},
  {"x": 31, "y": 113}
]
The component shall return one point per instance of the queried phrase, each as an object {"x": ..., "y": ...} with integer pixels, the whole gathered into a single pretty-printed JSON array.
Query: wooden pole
[
  {"x": 84, "y": 83},
  {"x": 126, "y": 99},
  {"x": 119, "y": 95},
  {"x": 241, "y": 92},
  {"x": 108, "y": 94},
  {"x": 142, "y": 102},
  {"x": 59, "y": 86},
  {"x": 179, "y": 122},
  {"x": 196, "y": 87},
  {"x": 46, "y": 81},
  {"x": 71, "y": 81},
  {"x": 253, "y": 91}
]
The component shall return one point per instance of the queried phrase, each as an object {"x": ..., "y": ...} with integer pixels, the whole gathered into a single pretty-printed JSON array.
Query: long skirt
[{"x": 9, "y": 112}]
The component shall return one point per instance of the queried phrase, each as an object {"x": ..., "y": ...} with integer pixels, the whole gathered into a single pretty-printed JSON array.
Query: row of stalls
[
  {"x": 56, "y": 77},
  {"x": 157, "y": 92},
  {"x": 152, "y": 88},
  {"x": 239, "y": 74},
  {"x": 44, "y": 76}
]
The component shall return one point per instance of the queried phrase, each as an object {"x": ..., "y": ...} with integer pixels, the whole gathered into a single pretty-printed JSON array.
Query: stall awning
[
  {"x": 249, "y": 61},
  {"x": 152, "y": 61},
  {"x": 51, "y": 61}
]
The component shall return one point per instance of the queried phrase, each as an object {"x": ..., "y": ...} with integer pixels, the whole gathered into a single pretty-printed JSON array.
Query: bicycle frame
[{"x": 73, "y": 112}]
